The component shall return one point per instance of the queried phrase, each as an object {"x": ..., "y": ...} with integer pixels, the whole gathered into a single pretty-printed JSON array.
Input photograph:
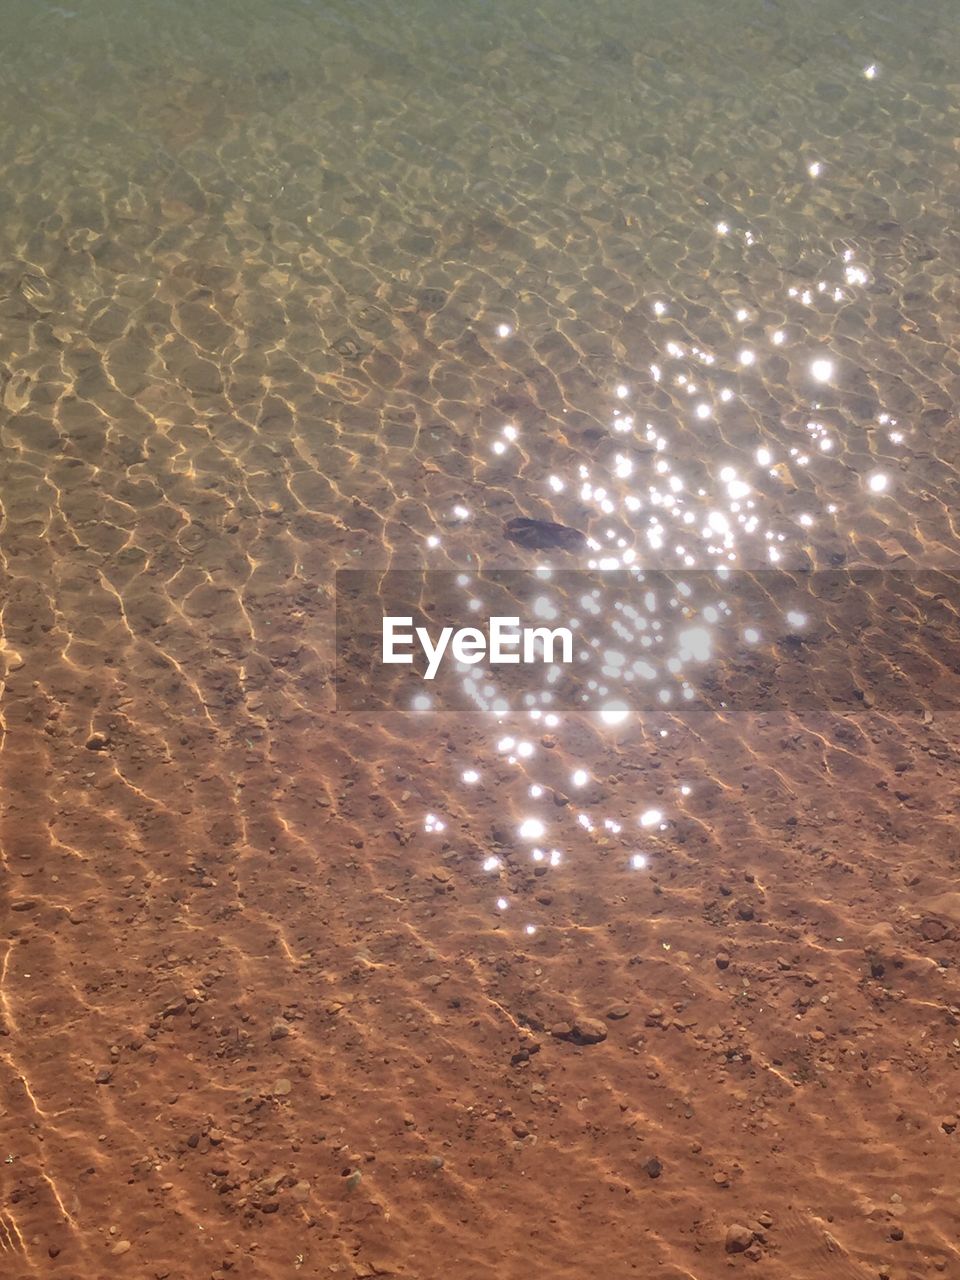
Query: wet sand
[{"x": 282, "y": 992}]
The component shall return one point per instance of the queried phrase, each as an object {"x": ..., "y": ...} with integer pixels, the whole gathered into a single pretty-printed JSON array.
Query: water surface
[{"x": 293, "y": 287}]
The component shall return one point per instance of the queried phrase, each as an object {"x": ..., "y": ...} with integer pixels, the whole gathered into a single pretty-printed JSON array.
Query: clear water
[{"x": 293, "y": 287}]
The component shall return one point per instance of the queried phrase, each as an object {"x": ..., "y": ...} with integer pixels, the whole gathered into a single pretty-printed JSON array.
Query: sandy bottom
[{"x": 286, "y": 989}]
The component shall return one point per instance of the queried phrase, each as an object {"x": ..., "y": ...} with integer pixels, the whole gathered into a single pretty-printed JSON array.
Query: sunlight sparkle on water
[
  {"x": 645, "y": 496},
  {"x": 614, "y": 713}
]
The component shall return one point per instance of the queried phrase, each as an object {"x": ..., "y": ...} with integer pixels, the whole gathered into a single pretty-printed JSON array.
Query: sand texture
[{"x": 287, "y": 990}]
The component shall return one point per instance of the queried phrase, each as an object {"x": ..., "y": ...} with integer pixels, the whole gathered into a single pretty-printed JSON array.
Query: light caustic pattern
[{"x": 305, "y": 287}]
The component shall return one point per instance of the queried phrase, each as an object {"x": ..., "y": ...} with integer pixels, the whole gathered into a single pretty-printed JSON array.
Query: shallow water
[{"x": 293, "y": 987}]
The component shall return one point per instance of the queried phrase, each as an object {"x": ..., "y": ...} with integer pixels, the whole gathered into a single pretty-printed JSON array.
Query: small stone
[
  {"x": 654, "y": 1167},
  {"x": 896, "y": 1233},
  {"x": 588, "y": 1031},
  {"x": 282, "y": 1087},
  {"x": 739, "y": 1238},
  {"x": 97, "y": 742},
  {"x": 948, "y": 1124},
  {"x": 279, "y": 1031},
  {"x": 723, "y": 960},
  {"x": 722, "y": 1179},
  {"x": 581, "y": 1031},
  {"x": 745, "y": 911},
  {"x": 103, "y": 1076},
  {"x": 121, "y": 1247},
  {"x": 618, "y": 1011}
]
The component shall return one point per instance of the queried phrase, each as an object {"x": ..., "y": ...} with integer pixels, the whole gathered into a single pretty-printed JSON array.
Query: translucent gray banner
[{"x": 505, "y": 641}]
